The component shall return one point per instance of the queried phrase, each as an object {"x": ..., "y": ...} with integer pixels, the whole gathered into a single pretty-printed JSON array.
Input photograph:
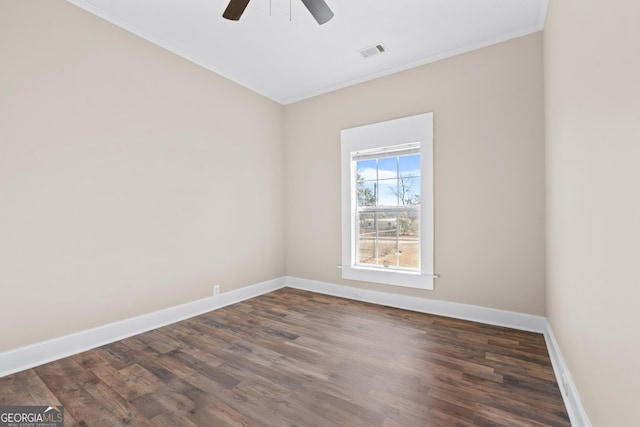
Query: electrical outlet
[{"x": 216, "y": 290}]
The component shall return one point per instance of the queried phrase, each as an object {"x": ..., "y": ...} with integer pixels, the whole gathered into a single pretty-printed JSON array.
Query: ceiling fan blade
[
  {"x": 319, "y": 10},
  {"x": 235, "y": 9}
]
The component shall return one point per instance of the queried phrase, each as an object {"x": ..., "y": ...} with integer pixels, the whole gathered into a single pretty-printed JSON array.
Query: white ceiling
[{"x": 292, "y": 59}]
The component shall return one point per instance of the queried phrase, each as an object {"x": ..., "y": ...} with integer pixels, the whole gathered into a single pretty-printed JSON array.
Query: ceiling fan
[{"x": 318, "y": 9}]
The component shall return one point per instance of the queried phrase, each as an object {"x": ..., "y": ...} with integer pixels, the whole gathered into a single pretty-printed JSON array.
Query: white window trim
[{"x": 406, "y": 130}]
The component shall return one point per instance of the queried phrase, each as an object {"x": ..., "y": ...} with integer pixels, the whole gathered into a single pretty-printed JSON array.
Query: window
[
  {"x": 387, "y": 211},
  {"x": 387, "y": 202}
]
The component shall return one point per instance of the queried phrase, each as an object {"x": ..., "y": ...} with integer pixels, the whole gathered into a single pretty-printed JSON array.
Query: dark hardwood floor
[{"x": 297, "y": 358}]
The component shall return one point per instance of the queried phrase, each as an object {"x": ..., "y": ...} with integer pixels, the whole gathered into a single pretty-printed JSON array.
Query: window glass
[{"x": 388, "y": 210}]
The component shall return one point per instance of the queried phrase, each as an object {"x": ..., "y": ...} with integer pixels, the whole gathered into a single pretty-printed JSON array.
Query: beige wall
[
  {"x": 130, "y": 179},
  {"x": 592, "y": 104},
  {"x": 489, "y": 173}
]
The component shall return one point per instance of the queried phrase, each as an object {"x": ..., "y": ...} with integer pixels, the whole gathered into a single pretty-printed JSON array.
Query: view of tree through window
[{"x": 388, "y": 210}]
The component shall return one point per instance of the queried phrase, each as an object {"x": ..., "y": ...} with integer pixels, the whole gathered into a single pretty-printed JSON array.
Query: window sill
[{"x": 408, "y": 279}]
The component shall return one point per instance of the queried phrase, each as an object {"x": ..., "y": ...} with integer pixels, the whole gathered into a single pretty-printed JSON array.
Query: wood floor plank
[
  {"x": 119, "y": 407},
  {"x": 293, "y": 357},
  {"x": 16, "y": 388}
]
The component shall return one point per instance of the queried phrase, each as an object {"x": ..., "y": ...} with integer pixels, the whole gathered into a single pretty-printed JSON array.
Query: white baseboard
[
  {"x": 510, "y": 319},
  {"x": 19, "y": 359},
  {"x": 572, "y": 402}
]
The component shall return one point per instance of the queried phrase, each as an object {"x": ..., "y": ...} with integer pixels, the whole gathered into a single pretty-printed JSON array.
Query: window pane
[
  {"x": 366, "y": 193},
  {"x": 387, "y": 238},
  {"x": 410, "y": 165},
  {"x": 388, "y": 192},
  {"x": 366, "y": 238},
  {"x": 367, "y": 224},
  {"x": 409, "y": 223},
  {"x": 409, "y": 239},
  {"x": 387, "y": 224},
  {"x": 388, "y": 168},
  {"x": 367, "y": 170},
  {"x": 409, "y": 256},
  {"x": 367, "y": 251},
  {"x": 409, "y": 191},
  {"x": 387, "y": 255}
]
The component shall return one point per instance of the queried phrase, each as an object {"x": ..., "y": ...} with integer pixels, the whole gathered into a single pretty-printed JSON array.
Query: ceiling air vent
[{"x": 373, "y": 50}]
